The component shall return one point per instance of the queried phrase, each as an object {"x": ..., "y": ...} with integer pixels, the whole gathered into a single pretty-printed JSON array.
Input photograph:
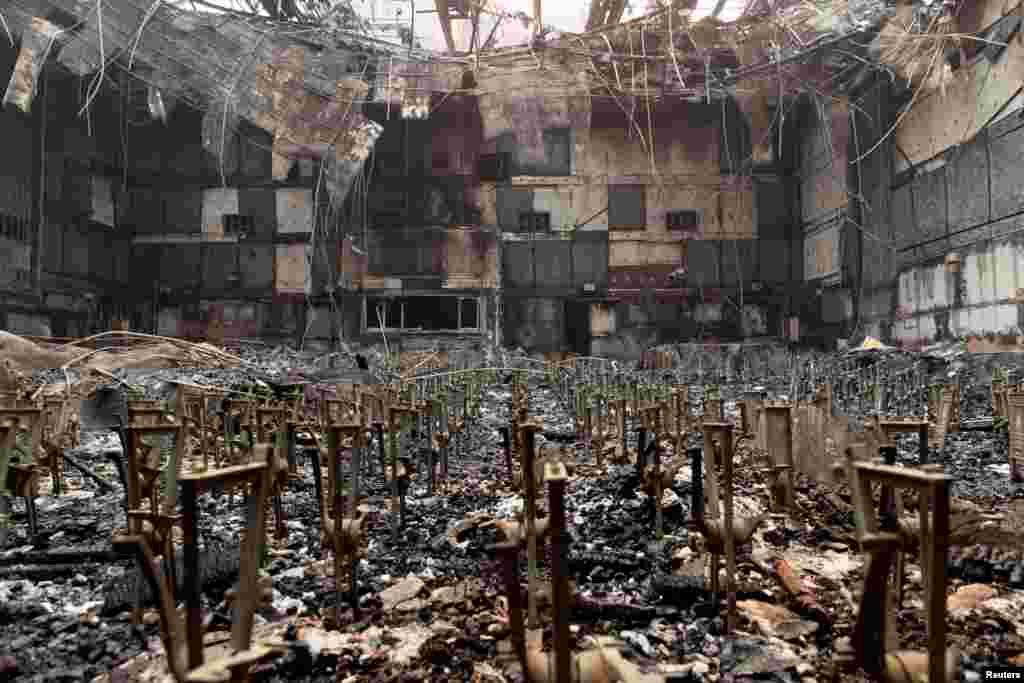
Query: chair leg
[
  {"x": 900, "y": 559},
  {"x": 714, "y": 579},
  {"x": 33, "y": 518},
  {"x": 170, "y": 564}
]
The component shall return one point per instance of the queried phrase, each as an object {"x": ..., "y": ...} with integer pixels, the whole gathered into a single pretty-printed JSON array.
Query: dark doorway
[{"x": 577, "y": 326}]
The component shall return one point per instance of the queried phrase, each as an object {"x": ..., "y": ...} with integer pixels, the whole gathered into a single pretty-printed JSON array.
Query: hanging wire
[{"x": 7, "y": 29}]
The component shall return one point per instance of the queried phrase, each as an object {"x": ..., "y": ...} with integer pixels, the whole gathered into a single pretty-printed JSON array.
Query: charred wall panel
[
  {"x": 824, "y": 159},
  {"x": 183, "y": 211},
  {"x": 101, "y": 254},
  {"x": 326, "y": 266},
  {"x": 1007, "y": 191},
  {"x": 255, "y": 151},
  {"x": 391, "y": 253},
  {"x": 507, "y": 146},
  {"x": 774, "y": 260},
  {"x": 76, "y": 195},
  {"x": 902, "y": 216},
  {"x": 431, "y": 246},
  {"x": 930, "y": 205},
  {"x": 261, "y": 205},
  {"x": 590, "y": 258},
  {"x": 145, "y": 211},
  {"x": 873, "y": 181},
  {"x": 966, "y": 171},
  {"x": 773, "y": 219},
  {"x": 407, "y": 251},
  {"x": 181, "y": 142},
  {"x": 191, "y": 260},
  {"x": 180, "y": 265},
  {"x": 121, "y": 248},
  {"x": 739, "y": 262},
  {"x": 218, "y": 264},
  {"x": 510, "y": 202},
  {"x": 734, "y": 139},
  {"x": 627, "y": 207},
  {"x": 76, "y": 252},
  {"x": 536, "y": 324},
  {"x": 517, "y": 264},
  {"x": 703, "y": 261},
  {"x": 16, "y": 162},
  {"x": 257, "y": 262},
  {"x": 553, "y": 263},
  {"x": 53, "y": 253},
  {"x": 144, "y": 268},
  {"x": 450, "y": 201}
]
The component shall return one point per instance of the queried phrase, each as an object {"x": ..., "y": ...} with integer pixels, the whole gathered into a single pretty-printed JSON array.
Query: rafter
[
  {"x": 605, "y": 12},
  {"x": 445, "y": 18}
]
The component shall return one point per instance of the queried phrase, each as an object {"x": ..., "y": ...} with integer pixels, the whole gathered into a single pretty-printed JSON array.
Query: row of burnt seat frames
[
  {"x": 34, "y": 434},
  {"x": 723, "y": 532},
  {"x": 1007, "y": 393},
  {"x": 859, "y": 384},
  {"x": 267, "y": 465},
  {"x": 765, "y": 436},
  {"x": 765, "y": 430},
  {"x": 339, "y": 437}
]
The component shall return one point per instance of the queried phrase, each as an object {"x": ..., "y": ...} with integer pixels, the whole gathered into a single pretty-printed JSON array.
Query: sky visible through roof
[{"x": 562, "y": 15}]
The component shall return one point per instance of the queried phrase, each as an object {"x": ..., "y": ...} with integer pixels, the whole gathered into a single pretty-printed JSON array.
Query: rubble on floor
[{"x": 431, "y": 602}]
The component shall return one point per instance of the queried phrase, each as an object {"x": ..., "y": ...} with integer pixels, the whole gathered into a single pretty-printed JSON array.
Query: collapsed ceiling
[{"x": 306, "y": 84}]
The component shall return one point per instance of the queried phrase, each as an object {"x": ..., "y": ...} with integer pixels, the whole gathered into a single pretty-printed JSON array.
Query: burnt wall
[
  {"x": 964, "y": 204},
  {"x": 62, "y": 253}
]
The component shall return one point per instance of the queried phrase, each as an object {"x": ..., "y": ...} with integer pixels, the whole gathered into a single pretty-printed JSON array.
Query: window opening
[
  {"x": 423, "y": 313},
  {"x": 535, "y": 221},
  {"x": 684, "y": 219}
]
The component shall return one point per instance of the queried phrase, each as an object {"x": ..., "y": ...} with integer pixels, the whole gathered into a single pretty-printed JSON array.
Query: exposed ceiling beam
[
  {"x": 598, "y": 11},
  {"x": 446, "y": 23},
  {"x": 615, "y": 12},
  {"x": 605, "y": 13}
]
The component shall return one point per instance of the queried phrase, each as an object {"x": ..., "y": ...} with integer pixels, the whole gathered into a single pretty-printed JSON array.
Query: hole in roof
[{"x": 731, "y": 10}]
